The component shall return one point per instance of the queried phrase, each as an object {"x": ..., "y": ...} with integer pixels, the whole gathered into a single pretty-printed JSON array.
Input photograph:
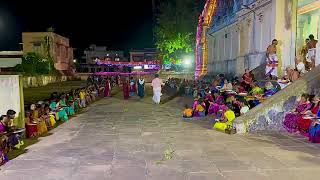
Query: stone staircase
[{"x": 269, "y": 115}]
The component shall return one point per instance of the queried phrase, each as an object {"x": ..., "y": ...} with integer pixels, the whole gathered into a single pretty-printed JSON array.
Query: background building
[
  {"x": 50, "y": 44},
  {"x": 239, "y": 32},
  {"x": 143, "y": 55},
  {"x": 100, "y": 52},
  {"x": 9, "y": 59}
]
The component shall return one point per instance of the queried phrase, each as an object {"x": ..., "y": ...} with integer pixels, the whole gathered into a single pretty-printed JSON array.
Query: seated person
[
  {"x": 59, "y": 111},
  {"x": 269, "y": 89},
  {"x": 226, "y": 120},
  {"x": 42, "y": 127},
  {"x": 188, "y": 112},
  {"x": 244, "y": 107},
  {"x": 200, "y": 110},
  {"x": 6, "y": 126},
  {"x": 31, "y": 125}
]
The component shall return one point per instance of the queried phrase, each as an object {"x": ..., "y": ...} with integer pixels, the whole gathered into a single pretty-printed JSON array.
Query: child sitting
[{"x": 188, "y": 112}]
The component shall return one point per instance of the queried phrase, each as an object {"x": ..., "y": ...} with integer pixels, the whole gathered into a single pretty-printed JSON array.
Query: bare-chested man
[
  {"x": 272, "y": 60},
  {"x": 312, "y": 45}
]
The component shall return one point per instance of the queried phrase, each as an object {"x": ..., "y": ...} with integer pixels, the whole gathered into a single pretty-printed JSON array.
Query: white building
[{"x": 241, "y": 30}]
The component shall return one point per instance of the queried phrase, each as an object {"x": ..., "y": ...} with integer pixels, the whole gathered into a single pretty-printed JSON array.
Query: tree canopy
[{"x": 175, "y": 29}]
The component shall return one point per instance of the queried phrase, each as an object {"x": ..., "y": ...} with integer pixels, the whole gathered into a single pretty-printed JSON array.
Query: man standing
[
  {"x": 312, "y": 45},
  {"x": 156, "y": 85},
  {"x": 272, "y": 60}
]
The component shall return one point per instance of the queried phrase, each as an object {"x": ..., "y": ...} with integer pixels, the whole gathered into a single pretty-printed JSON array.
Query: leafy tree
[
  {"x": 33, "y": 64},
  {"x": 176, "y": 28}
]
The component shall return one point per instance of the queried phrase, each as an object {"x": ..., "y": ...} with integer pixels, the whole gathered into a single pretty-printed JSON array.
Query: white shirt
[{"x": 156, "y": 84}]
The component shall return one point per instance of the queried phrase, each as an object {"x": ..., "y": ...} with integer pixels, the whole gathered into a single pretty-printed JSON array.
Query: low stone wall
[
  {"x": 36, "y": 81},
  {"x": 270, "y": 114}
]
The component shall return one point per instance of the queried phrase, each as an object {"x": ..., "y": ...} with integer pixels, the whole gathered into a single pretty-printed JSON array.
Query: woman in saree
[
  {"x": 200, "y": 108},
  {"x": 246, "y": 80},
  {"x": 60, "y": 112},
  {"x": 133, "y": 87},
  {"x": 125, "y": 89},
  {"x": 305, "y": 121},
  {"x": 208, "y": 99},
  {"x": 107, "y": 89},
  {"x": 141, "y": 84},
  {"x": 41, "y": 124},
  {"x": 31, "y": 126},
  {"x": 6, "y": 125},
  {"x": 314, "y": 130},
  {"x": 291, "y": 119},
  {"x": 66, "y": 105},
  {"x": 225, "y": 120}
]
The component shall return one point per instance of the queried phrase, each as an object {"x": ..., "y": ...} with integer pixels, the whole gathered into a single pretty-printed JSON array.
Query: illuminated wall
[
  {"x": 201, "y": 40},
  {"x": 11, "y": 95}
]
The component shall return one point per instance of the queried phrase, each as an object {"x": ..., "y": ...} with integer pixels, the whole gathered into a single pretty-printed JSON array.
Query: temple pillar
[{"x": 285, "y": 28}]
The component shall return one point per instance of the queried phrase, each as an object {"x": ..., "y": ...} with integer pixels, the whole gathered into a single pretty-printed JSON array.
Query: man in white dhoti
[
  {"x": 156, "y": 85},
  {"x": 312, "y": 50},
  {"x": 272, "y": 60}
]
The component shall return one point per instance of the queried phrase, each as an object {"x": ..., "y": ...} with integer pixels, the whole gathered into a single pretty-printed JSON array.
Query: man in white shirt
[{"x": 156, "y": 85}]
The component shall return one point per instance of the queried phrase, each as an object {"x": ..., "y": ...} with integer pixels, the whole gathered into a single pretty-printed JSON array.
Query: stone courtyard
[{"x": 128, "y": 140}]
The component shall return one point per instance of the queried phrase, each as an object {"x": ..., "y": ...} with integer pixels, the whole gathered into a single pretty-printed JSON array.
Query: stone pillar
[{"x": 285, "y": 17}]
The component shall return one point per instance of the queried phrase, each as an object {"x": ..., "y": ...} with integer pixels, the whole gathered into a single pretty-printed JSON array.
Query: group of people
[
  {"x": 132, "y": 87},
  {"x": 304, "y": 118},
  {"x": 305, "y": 60},
  {"x": 43, "y": 115},
  {"x": 223, "y": 100}
]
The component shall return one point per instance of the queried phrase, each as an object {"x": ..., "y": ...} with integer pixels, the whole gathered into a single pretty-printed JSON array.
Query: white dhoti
[
  {"x": 156, "y": 95},
  {"x": 272, "y": 65},
  {"x": 311, "y": 55}
]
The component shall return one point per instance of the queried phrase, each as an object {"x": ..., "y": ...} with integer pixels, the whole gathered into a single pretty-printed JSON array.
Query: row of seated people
[
  {"x": 224, "y": 101},
  {"x": 42, "y": 116},
  {"x": 304, "y": 118}
]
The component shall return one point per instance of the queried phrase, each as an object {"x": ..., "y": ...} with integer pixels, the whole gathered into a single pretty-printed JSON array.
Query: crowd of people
[
  {"x": 304, "y": 118},
  {"x": 223, "y": 99},
  {"x": 43, "y": 116}
]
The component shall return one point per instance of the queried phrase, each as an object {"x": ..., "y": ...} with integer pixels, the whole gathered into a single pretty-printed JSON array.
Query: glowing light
[
  {"x": 137, "y": 67},
  {"x": 74, "y": 60},
  {"x": 187, "y": 61}
]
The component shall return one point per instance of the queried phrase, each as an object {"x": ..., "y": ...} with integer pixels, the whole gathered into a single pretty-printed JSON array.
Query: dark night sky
[{"x": 117, "y": 24}]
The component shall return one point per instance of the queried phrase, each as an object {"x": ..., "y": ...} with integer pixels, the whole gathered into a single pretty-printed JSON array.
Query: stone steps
[{"x": 269, "y": 115}]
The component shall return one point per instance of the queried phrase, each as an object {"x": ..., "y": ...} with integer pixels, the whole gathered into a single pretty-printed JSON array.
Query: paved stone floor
[{"x": 120, "y": 140}]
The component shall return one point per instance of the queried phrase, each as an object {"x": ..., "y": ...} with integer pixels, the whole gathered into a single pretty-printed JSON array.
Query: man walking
[{"x": 156, "y": 85}]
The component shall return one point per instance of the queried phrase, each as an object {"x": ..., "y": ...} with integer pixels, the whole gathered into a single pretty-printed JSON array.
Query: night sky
[{"x": 117, "y": 24}]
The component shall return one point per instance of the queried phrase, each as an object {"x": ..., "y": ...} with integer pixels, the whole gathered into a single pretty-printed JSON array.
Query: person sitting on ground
[
  {"x": 226, "y": 120},
  {"x": 246, "y": 80},
  {"x": 300, "y": 66},
  {"x": 291, "y": 119},
  {"x": 6, "y": 126},
  {"x": 200, "y": 110},
  {"x": 188, "y": 112},
  {"x": 269, "y": 89},
  {"x": 41, "y": 124}
]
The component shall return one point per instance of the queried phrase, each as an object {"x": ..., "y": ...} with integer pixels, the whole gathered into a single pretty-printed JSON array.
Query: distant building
[
  {"x": 49, "y": 43},
  {"x": 94, "y": 52},
  {"x": 9, "y": 59},
  {"x": 143, "y": 55}
]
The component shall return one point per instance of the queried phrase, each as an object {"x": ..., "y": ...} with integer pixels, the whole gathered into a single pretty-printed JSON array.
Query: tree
[
  {"x": 33, "y": 64},
  {"x": 176, "y": 28}
]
